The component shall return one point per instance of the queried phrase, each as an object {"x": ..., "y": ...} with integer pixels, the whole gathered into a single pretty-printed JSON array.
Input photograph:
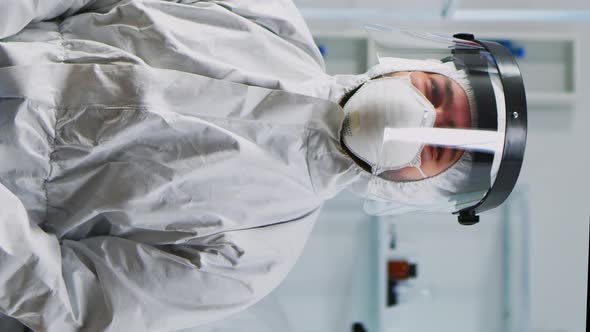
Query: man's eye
[
  {"x": 439, "y": 152},
  {"x": 436, "y": 95}
]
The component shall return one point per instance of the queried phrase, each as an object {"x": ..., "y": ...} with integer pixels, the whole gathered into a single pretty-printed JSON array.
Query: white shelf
[
  {"x": 547, "y": 11},
  {"x": 522, "y": 15},
  {"x": 549, "y": 65},
  {"x": 550, "y": 99}
]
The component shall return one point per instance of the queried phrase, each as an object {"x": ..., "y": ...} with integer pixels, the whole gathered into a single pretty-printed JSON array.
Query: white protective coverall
[{"x": 162, "y": 163}]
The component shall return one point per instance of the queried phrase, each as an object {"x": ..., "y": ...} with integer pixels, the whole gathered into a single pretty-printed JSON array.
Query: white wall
[
  {"x": 556, "y": 171},
  {"x": 524, "y": 4}
]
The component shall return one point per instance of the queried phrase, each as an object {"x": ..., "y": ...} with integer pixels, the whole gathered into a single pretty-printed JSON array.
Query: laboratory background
[{"x": 524, "y": 266}]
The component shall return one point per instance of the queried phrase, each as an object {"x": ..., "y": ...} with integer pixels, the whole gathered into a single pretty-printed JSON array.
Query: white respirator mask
[{"x": 389, "y": 102}]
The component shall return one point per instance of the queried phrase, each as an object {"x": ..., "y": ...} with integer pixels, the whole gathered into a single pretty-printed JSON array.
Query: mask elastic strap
[
  {"x": 424, "y": 176},
  {"x": 417, "y": 163}
]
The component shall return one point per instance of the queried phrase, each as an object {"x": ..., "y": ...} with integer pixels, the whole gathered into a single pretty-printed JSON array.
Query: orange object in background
[
  {"x": 398, "y": 271},
  {"x": 401, "y": 270}
]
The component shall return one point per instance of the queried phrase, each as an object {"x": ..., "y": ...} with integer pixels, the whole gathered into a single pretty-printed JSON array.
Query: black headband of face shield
[{"x": 476, "y": 62}]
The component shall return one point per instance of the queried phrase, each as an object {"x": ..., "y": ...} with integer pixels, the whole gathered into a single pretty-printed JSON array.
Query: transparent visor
[{"x": 430, "y": 126}]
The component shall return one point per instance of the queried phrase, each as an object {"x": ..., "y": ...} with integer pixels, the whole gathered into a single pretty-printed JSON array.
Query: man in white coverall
[{"x": 162, "y": 163}]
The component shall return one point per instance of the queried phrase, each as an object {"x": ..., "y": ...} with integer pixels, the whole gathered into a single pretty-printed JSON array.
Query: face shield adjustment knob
[{"x": 468, "y": 218}]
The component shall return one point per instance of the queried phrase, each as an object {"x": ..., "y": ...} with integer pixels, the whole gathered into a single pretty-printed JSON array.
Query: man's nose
[{"x": 441, "y": 120}]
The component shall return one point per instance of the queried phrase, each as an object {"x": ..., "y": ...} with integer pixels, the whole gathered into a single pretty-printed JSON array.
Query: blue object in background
[
  {"x": 322, "y": 49},
  {"x": 518, "y": 52}
]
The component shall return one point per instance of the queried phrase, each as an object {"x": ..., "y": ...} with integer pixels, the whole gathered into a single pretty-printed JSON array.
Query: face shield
[{"x": 441, "y": 125}]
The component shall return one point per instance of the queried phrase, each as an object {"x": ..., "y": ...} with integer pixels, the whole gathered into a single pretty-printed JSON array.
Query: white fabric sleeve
[
  {"x": 26, "y": 250},
  {"x": 279, "y": 16},
  {"x": 113, "y": 284},
  {"x": 15, "y": 15}
]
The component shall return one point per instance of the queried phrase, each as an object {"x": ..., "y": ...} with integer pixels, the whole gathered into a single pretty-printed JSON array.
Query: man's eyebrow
[{"x": 448, "y": 92}]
